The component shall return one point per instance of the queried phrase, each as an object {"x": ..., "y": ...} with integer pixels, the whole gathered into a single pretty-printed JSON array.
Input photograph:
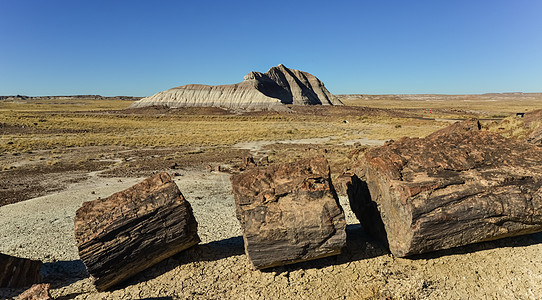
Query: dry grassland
[
  {"x": 469, "y": 105},
  {"x": 514, "y": 127},
  {"x": 68, "y": 138},
  {"x": 38, "y": 126}
]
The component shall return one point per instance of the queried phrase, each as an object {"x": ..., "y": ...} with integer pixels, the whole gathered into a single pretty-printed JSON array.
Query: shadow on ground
[
  {"x": 517, "y": 241},
  {"x": 7, "y": 293},
  {"x": 359, "y": 246},
  {"x": 212, "y": 251},
  {"x": 63, "y": 273}
]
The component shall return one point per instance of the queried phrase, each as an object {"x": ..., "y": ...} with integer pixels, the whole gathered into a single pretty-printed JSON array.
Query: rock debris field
[
  {"x": 508, "y": 268},
  {"x": 42, "y": 228}
]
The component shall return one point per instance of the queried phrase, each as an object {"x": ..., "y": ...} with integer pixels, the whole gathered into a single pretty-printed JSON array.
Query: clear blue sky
[{"x": 52, "y": 47}]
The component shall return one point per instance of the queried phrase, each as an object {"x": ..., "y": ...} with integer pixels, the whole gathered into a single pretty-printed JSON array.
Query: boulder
[
  {"x": 289, "y": 213},
  {"x": 18, "y": 272},
  {"x": 129, "y": 231},
  {"x": 535, "y": 137},
  {"x": 457, "y": 186},
  {"x": 248, "y": 161},
  {"x": 533, "y": 116},
  {"x": 341, "y": 183},
  {"x": 258, "y": 91}
]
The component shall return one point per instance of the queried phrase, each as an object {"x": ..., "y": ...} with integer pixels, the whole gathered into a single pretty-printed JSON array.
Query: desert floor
[{"x": 56, "y": 156}]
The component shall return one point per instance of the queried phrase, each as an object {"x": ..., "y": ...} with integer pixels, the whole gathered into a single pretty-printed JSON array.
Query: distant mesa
[{"x": 258, "y": 91}]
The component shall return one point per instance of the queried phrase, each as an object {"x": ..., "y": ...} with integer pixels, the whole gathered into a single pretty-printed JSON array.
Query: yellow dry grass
[
  {"x": 513, "y": 127},
  {"x": 50, "y": 126},
  {"x": 496, "y": 108},
  {"x": 64, "y": 105}
]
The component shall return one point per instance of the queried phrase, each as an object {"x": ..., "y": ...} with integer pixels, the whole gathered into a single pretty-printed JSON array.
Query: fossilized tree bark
[
  {"x": 458, "y": 186},
  {"x": 289, "y": 213},
  {"x": 129, "y": 231}
]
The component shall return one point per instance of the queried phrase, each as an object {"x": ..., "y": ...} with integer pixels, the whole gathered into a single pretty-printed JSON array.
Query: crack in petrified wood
[
  {"x": 289, "y": 213},
  {"x": 457, "y": 186},
  {"x": 132, "y": 230}
]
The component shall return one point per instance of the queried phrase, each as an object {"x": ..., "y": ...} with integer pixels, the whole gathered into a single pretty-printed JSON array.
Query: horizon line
[{"x": 341, "y": 94}]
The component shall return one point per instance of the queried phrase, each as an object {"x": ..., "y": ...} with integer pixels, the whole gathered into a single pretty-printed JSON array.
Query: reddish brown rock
[
  {"x": 532, "y": 120},
  {"x": 36, "y": 292},
  {"x": 18, "y": 272},
  {"x": 459, "y": 185},
  {"x": 536, "y": 137},
  {"x": 533, "y": 116},
  {"x": 248, "y": 161},
  {"x": 132, "y": 230},
  {"x": 341, "y": 183},
  {"x": 289, "y": 213}
]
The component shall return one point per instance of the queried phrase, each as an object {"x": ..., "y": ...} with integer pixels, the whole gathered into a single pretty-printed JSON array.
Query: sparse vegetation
[
  {"x": 513, "y": 127},
  {"x": 468, "y": 106},
  {"x": 41, "y": 127}
]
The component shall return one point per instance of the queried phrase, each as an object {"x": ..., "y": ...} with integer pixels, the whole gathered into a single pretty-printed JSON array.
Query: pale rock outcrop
[{"x": 258, "y": 91}]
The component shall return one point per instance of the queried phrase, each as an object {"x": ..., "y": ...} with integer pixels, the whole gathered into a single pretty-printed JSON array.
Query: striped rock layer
[{"x": 258, "y": 91}]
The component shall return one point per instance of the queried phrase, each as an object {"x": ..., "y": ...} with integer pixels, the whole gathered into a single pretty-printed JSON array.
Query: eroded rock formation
[
  {"x": 289, "y": 213},
  {"x": 129, "y": 231},
  {"x": 457, "y": 186},
  {"x": 258, "y": 91}
]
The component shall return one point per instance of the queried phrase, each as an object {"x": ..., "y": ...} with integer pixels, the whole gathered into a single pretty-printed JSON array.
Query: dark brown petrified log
[
  {"x": 132, "y": 230},
  {"x": 289, "y": 213},
  {"x": 18, "y": 272},
  {"x": 457, "y": 186}
]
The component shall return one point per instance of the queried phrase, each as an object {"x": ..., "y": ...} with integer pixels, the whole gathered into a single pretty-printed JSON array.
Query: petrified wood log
[
  {"x": 132, "y": 230},
  {"x": 457, "y": 186},
  {"x": 289, "y": 213},
  {"x": 18, "y": 272}
]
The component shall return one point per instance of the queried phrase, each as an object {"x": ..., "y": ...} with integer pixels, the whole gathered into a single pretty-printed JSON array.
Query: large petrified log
[
  {"x": 18, "y": 272},
  {"x": 132, "y": 230},
  {"x": 289, "y": 213},
  {"x": 457, "y": 186}
]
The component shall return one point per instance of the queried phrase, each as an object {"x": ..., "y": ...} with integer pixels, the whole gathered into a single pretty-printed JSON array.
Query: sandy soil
[{"x": 42, "y": 228}]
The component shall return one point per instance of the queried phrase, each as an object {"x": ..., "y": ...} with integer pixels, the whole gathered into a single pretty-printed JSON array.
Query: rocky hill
[{"x": 270, "y": 90}]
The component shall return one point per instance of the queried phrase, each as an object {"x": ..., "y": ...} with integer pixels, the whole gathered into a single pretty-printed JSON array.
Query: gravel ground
[{"x": 42, "y": 228}]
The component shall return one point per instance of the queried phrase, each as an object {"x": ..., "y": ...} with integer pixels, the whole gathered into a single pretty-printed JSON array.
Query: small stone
[{"x": 36, "y": 292}]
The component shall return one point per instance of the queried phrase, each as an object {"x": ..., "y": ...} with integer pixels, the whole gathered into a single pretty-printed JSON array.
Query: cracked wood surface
[
  {"x": 131, "y": 230},
  {"x": 16, "y": 272},
  {"x": 289, "y": 213},
  {"x": 457, "y": 186}
]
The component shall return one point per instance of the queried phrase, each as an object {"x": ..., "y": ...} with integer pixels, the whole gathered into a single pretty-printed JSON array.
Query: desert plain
[{"x": 57, "y": 152}]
